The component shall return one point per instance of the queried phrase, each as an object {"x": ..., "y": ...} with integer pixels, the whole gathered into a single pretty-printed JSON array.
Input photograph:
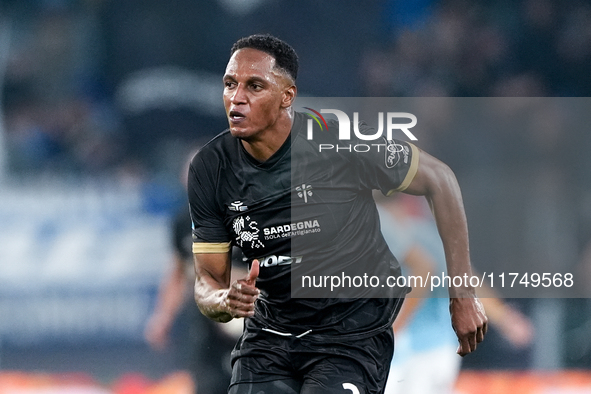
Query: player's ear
[{"x": 289, "y": 95}]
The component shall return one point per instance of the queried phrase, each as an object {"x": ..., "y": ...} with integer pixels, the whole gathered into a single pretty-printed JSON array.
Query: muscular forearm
[
  {"x": 210, "y": 297},
  {"x": 215, "y": 296},
  {"x": 445, "y": 199},
  {"x": 437, "y": 182}
]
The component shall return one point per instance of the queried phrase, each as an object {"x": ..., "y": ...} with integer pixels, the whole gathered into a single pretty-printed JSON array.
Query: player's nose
[{"x": 238, "y": 96}]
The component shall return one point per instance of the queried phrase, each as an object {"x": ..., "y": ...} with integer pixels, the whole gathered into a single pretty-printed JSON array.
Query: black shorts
[{"x": 268, "y": 363}]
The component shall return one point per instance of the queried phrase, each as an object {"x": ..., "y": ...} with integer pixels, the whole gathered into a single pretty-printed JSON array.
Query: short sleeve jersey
[{"x": 308, "y": 208}]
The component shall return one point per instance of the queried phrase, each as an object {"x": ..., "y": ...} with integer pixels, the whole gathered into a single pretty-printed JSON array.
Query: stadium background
[{"x": 102, "y": 101}]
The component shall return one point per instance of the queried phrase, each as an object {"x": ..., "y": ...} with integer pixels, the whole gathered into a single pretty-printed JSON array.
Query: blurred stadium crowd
[
  {"x": 119, "y": 92},
  {"x": 78, "y": 95}
]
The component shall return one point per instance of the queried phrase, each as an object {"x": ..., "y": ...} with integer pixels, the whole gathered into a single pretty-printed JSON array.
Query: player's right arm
[{"x": 215, "y": 296}]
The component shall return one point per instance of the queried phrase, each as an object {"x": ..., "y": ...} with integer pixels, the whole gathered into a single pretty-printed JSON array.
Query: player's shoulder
[{"x": 215, "y": 151}]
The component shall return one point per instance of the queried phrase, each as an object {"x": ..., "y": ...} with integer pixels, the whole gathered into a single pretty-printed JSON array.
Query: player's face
[{"x": 255, "y": 93}]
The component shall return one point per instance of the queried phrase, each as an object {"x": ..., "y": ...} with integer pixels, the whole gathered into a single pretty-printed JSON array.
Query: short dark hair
[{"x": 285, "y": 56}]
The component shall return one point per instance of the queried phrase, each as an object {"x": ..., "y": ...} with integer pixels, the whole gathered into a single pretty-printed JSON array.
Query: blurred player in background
[
  {"x": 202, "y": 346},
  {"x": 425, "y": 360},
  {"x": 242, "y": 183}
]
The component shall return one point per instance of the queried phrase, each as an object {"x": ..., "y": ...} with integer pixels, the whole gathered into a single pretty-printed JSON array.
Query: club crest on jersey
[
  {"x": 247, "y": 231},
  {"x": 237, "y": 206},
  {"x": 304, "y": 191}
]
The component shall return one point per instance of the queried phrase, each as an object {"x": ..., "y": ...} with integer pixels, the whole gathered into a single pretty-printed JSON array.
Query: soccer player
[{"x": 264, "y": 186}]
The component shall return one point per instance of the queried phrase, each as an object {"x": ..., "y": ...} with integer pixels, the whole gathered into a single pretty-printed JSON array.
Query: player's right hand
[{"x": 240, "y": 297}]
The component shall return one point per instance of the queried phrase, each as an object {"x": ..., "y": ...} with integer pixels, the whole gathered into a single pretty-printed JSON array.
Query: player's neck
[{"x": 269, "y": 142}]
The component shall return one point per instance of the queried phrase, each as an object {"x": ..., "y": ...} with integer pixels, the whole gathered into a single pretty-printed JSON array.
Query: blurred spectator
[
  {"x": 470, "y": 47},
  {"x": 58, "y": 117}
]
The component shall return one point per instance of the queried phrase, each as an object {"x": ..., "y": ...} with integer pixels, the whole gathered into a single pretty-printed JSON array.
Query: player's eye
[
  {"x": 229, "y": 84},
  {"x": 256, "y": 86}
]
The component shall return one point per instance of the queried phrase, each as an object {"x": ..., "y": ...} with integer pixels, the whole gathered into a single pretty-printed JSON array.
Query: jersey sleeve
[
  {"x": 404, "y": 159},
  {"x": 208, "y": 230},
  {"x": 390, "y": 166}
]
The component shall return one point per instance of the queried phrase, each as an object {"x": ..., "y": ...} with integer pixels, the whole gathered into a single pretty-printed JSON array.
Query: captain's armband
[{"x": 211, "y": 247}]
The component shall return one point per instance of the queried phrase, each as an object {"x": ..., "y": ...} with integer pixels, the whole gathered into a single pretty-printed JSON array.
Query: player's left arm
[{"x": 437, "y": 182}]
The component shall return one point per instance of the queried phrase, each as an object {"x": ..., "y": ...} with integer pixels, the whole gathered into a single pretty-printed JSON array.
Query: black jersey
[{"x": 305, "y": 210}]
